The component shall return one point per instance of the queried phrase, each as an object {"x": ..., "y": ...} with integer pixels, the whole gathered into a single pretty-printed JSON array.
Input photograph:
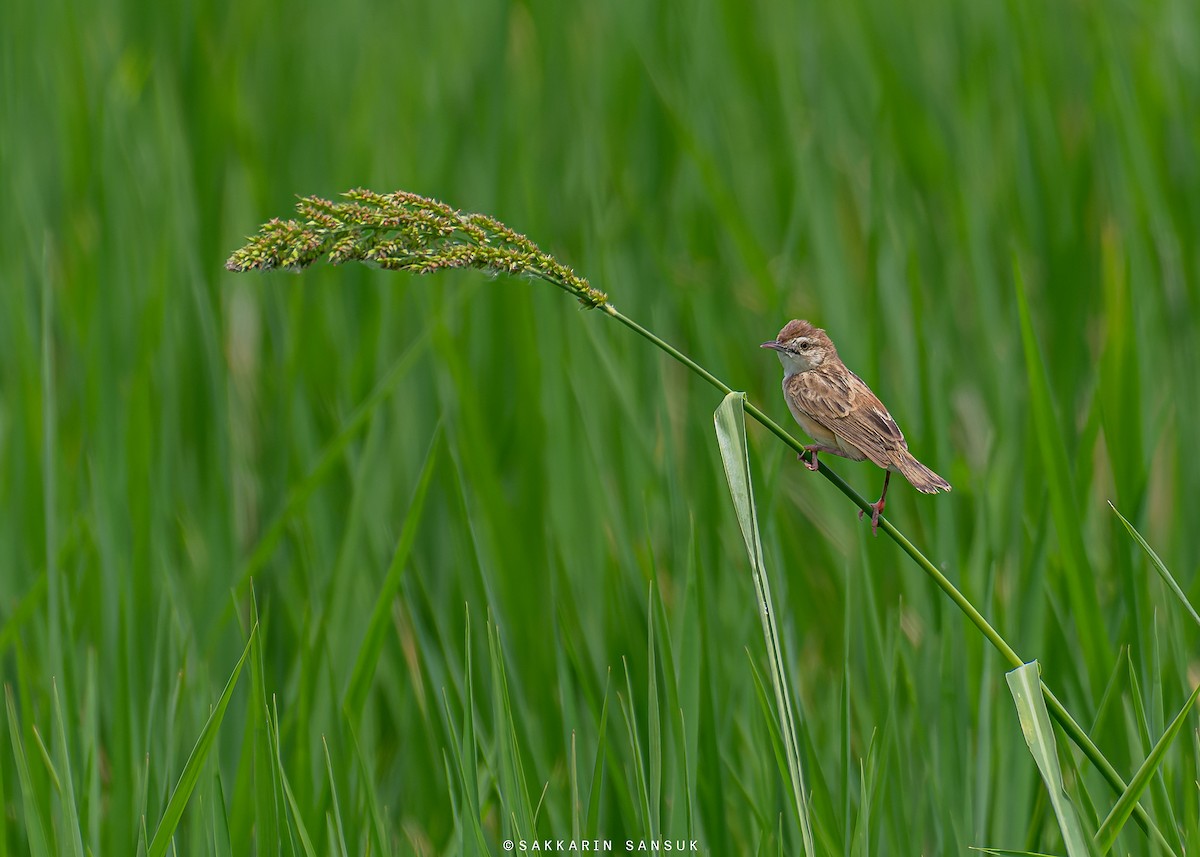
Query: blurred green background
[{"x": 572, "y": 648}]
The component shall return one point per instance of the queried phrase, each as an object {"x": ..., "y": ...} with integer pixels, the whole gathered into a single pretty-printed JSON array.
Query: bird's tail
[{"x": 921, "y": 477}]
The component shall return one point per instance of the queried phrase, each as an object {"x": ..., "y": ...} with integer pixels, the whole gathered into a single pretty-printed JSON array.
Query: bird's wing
[{"x": 845, "y": 405}]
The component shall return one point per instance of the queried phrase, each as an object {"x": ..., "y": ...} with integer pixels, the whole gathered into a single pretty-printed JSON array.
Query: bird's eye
[{"x": 805, "y": 345}]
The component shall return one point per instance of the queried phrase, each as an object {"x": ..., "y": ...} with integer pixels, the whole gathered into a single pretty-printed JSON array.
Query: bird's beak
[{"x": 773, "y": 345}]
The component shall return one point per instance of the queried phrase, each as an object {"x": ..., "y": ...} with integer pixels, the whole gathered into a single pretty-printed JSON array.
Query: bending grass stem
[{"x": 1073, "y": 730}]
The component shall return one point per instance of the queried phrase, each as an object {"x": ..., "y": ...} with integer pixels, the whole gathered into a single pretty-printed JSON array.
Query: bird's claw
[{"x": 876, "y": 509}]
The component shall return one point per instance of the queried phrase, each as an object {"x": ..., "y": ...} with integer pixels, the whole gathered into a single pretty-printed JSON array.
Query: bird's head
[{"x": 801, "y": 347}]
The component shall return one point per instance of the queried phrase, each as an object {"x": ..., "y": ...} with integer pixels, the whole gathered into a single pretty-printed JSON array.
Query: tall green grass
[{"x": 518, "y": 514}]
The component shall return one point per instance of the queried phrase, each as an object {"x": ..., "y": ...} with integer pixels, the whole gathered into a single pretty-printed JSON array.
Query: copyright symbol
[{"x": 508, "y": 845}]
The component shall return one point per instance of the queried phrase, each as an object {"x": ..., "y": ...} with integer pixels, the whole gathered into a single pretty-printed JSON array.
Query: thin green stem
[
  {"x": 1073, "y": 730},
  {"x": 677, "y": 354}
]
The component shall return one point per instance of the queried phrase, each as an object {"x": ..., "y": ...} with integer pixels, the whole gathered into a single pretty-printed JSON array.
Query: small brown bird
[{"x": 839, "y": 411}]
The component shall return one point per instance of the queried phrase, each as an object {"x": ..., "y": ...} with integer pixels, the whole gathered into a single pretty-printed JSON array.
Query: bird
[{"x": 838, "y": 410}]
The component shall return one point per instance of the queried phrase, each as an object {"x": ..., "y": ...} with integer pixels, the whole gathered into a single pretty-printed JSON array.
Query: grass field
[{"x": 448, "y": 561}]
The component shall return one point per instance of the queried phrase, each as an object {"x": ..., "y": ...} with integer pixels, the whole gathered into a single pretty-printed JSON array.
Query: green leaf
[
  {"x": 299, "y": 493},
  {"x": 195, "y": 763},
  {"x": 592, "y": 824},
  {"x": 1025, "y": 684},
  {"x": 511, "y": 771},
  {"x": 1158, "y": 564},
  {"x": 1064, "y": 501},
  {"x": 70, "y": 812},
  {"x": 35, "y": 824},
  {"x": 639, "y": 760},
  {"x": 369, "y": 790},
  {"x": 1107, "y": 834},
  {"x": 333, "y": 798},
  {"x": 372, "y": 644},
  {"x": 465, "y": 753},
  {"x": 293, "y": 806},
  {"x": 731, "y": 438}
]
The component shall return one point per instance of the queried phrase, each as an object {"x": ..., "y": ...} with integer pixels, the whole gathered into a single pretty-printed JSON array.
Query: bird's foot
[
  {"x": 876, "y": 510},
  {"x": 813, "y": 449}
]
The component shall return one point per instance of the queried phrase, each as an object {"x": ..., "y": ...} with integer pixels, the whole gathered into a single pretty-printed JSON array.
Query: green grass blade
[
  {"x": 514, "y": 787},
  {"x": 376, "y": 829},
  {"x": 70, "y": 811},
  {"x": 372, "y": 644},
  {"x": 258, "y": 805},
  {"x": 653, "y": 723},
  {"x": 573, "y": 785},
  {"x": 1025, "y": 685},
  {"x": 35, "y": 823},
  {"x": 465, "y": 751},
  {"x": 54, "y": 573},
  {"x": 1120, "y": 381},
  {"x": 51, "y": 768},
  {"x": 640, "y": 787},
  {"x": 1111, "y": 826},
  {"x": 195, "y": 763},
  {"x": 144, "y": 781},
  {"x": 333, "y": 797},
  {"x": 770, "y": 720},
  {"x": 219, "y": 820},
  {"x": 731, "y": 437},
  {"x": 1064, "y": 502},
  {"x": 292, "y": 821},
  {"x": 592, "y": 824},
  {"x": 92, "y": 802},
  {"x": 859, "y": 842},
  {"x": 302, "y": 491},
  {"x": 296, "y": 815},
  {"x": 1166, "y": 575}
]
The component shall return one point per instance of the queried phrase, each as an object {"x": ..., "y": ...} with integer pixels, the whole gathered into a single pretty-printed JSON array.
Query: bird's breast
[{"x": 811, "y": 427}]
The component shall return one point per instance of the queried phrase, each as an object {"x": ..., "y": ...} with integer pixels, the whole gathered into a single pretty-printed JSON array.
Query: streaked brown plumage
[{"x": 839, "y": 411}]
